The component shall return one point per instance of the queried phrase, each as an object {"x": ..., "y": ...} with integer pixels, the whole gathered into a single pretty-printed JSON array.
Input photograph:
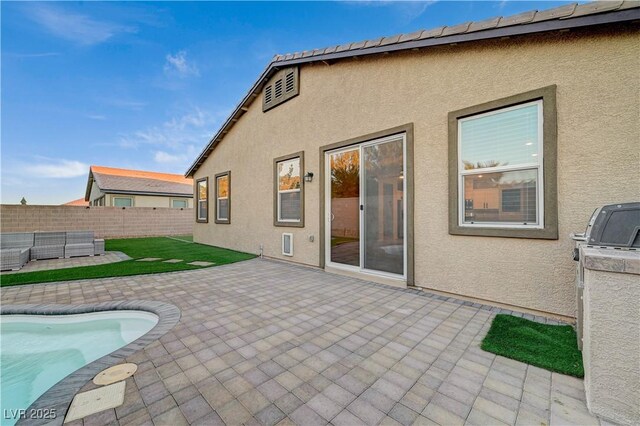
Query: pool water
[{"x": 37, "y": 351}]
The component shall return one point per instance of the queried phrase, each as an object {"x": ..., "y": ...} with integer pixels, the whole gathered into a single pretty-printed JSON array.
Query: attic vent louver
[
  {"x": 278, "y": 88},
  {"x": 267, "y": 94},
  {"x": 289, "y": 82},
  {"x": 282, "y": 86}
]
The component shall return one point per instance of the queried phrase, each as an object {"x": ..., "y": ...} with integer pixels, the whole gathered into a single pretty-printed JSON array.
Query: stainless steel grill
[{"x": 614, "y": 226}]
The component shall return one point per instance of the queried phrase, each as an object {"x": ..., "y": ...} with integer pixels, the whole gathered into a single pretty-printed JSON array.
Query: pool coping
[{"x": 60, "y": 395}]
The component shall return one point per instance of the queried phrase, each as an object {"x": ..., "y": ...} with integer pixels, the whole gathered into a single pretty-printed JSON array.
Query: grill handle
[{"x": 578, "y": 237}]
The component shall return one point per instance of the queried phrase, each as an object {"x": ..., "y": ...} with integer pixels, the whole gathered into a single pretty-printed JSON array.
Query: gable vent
[
  {"x": 289, "y": 83},
  {"x": 283, "y": 86},
  {"x": 268, "y": 94},
  {"x": 287, "y": 244}
]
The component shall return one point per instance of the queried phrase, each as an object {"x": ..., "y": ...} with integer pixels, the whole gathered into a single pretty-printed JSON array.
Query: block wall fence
[{"x": 105, "y": 222}]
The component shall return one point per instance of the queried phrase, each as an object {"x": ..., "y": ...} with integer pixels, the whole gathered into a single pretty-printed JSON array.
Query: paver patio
[
  {"x": 50, "y": 264},
  {"x": 263, "y": 342}
]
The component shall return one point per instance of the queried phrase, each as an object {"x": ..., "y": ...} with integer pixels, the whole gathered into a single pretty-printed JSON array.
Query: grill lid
[{"x": 615, "y": 225}]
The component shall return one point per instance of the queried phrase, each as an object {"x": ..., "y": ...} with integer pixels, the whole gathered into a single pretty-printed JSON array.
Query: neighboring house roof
[
  {"x": 78, "y": 202},
  {"x": 533, "y": 22},
  {"x": 138, "y": 182}
]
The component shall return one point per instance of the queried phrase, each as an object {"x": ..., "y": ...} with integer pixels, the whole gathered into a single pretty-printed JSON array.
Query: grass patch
[
  {"x": 137, "y": 248},
  {"x": 552, "y": 347}
]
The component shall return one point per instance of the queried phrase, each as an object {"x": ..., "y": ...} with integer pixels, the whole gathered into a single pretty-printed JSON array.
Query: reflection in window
[
  {"x": 501, "y": 197},
  {"x": 202, "y": 200},
  {"x": 289, "y": 197},
  {"x": 222, "y": 198},
  {"x": 122, "y": 202},
  {"x": 179, "y": 204},
  {"x": 500, "y": 166}
]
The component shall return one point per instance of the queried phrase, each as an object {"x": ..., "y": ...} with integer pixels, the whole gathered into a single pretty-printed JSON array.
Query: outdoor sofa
[
  {"x": 14, "y": 249},
  {"x": 17, "y": 248}
]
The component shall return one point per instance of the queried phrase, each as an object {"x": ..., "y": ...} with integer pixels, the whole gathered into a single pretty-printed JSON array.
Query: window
[
  {"x": 202, "y": 200},
  {"x": 223, "y": 197},
  {"x": 288, "y": 190},
  {"x": 282, "y": 87},
  {"x": 123, "y": 201},
  {"x": 179, "y": 204},
  {"x": 501, "y": 181}
]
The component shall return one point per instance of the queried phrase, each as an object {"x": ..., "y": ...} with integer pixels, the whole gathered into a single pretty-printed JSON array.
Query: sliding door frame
[{"x": 406, "y": 131}]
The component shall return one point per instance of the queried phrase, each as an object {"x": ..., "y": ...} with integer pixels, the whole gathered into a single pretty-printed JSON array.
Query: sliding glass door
[{"x": 366, "y": 207}]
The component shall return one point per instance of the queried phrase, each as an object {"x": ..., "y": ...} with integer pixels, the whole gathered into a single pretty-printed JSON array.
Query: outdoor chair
[
  {"x": 48, "y": 245},
  {"x": 79, "y": 243},
  {"x": 14, "y": 250}
]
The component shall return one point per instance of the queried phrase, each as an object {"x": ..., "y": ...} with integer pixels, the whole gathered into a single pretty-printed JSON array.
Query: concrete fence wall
[{"x": 106, "y": 222}]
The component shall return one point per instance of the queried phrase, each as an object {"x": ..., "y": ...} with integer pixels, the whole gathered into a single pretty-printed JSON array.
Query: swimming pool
[{"x": 37, "y": 351}]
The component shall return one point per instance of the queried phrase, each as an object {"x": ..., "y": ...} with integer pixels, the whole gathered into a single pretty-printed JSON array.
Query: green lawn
[
  {"x": 137, "y": 248},
  {"x": 552, "y": 347}
]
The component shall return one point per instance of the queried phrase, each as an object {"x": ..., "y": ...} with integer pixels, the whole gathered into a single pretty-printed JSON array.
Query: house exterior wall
[
  {"x": 149, "y": 200},
  {"x": 598, "y": 153}
]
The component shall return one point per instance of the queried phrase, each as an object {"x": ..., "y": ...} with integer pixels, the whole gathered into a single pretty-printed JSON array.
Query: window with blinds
[
  {"x": 280, "y": 88},
  {"x": 500, "y": 167}
]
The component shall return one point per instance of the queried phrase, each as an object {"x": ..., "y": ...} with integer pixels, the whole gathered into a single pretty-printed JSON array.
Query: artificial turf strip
[
  {"x": 552, "y": 347},
  {"x": 137, "y": 248}
]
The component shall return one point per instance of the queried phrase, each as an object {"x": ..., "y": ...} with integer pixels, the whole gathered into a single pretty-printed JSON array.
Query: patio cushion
[
  {"x": 47, "y": 252},
  {"x": 83, "y": 249},
  {"x": 12, "y": 240},
  {"x": 79, "y": 237},
  {"x": 50, "y": 239}
]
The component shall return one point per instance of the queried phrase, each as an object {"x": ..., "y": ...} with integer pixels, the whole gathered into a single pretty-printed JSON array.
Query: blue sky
[{"x": 145, "y": 85}]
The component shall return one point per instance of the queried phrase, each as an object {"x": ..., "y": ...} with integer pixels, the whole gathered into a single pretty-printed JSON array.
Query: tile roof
[
  {"x": 533, "y": 22},
  {"x": 533, "y": 16},
  {"x": 113, "y": 180},
  {"x": 78, "y": 202},
  {"x": 167, "y": 177}
]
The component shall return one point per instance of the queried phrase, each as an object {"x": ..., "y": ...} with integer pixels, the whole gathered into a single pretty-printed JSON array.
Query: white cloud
[
  {"x": 57, "y": 168},
  {"x": 96, "y": 116},
  {"x": 74, "y": 27},
  {"x": 163, "y": 157},
  {"x": 178, "y": 65},
  {"x": 175, "y": 142},
  {"x": 405, "y": 10}
]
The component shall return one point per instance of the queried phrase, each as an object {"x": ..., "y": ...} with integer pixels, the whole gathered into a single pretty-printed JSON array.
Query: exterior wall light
[{"x": 308, "y": 177}]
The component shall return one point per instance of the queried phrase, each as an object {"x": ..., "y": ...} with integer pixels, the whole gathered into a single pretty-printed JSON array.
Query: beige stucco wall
[
  {"x": 598, "y": 152},
  {"x": 611, "y": 341},
  {"x": 95, "y": 192},
  {"x": 148, "y": 200}
]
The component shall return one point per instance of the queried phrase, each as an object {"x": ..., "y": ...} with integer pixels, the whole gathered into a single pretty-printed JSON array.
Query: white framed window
[
  {"x": 123, "y": 202},
  {"x": 179, "y": 204},
  {"x": 288, "y": 190},
  {"x": 223, "y": 197},
  {"x": 202, "y": 200},
  {"x": 500, "y": 168}
]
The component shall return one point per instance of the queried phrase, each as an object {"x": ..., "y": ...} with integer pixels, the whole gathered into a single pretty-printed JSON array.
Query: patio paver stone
[{"x": 264, "y": 342}]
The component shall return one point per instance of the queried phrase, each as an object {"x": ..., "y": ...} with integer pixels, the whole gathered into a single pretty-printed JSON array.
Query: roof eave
[{"x": 616, "y": 16}]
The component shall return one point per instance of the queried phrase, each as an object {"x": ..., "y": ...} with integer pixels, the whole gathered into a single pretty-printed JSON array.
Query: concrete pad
[
  {"x": 199, "y": 263},
  {"x": 148, "y": 259},
  {"x": 95, "y": 401},
  {"x": 173, "y": 261}
]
